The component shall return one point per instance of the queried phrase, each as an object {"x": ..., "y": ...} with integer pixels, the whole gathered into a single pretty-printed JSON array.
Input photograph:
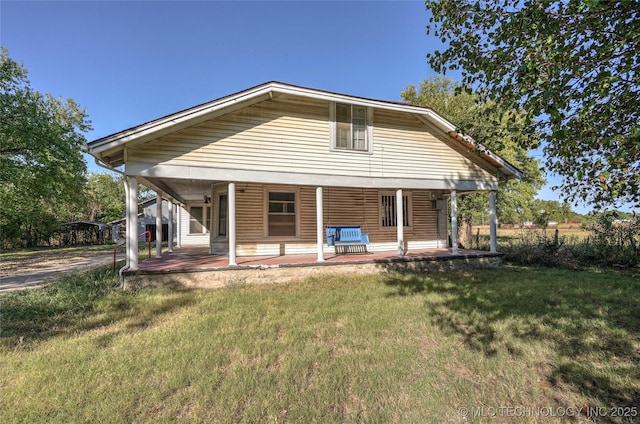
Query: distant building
[{"x": 146, "y": 222}]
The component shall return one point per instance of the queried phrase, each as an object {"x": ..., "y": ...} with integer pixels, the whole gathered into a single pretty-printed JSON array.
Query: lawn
[{"x": 516, "y": 344}]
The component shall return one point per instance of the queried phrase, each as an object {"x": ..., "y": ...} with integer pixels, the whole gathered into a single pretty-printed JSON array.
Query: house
[
  {"x": 147, "y": 221},
  {"x": 265, "y": 171}
]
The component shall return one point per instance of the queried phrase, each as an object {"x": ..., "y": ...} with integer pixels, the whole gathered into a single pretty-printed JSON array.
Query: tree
[
  {"x": 106, "y": 197},
  {"x": 42, "y": 170},
  {"x": 551, "y": 210},
  {"x": 573, "y": 66},
  {"x": 485, "y": 125}
]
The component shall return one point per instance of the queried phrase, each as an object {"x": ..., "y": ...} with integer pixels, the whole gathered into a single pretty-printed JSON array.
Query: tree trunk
[{"x": 465, "y": 235}]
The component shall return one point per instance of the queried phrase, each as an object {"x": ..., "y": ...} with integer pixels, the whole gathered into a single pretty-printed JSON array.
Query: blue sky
[{"x": 131, "y": 62}]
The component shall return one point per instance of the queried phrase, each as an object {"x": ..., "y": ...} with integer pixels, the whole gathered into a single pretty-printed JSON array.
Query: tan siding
[
  {"x": 361, "y": 207},
  {"x": 249, "y": 216},
  {"x": 341, "y": 207},
  {"x": 405, "y": 149},
  {"x": 307, "y": 212},
  {"x": 287, "y": 134}
]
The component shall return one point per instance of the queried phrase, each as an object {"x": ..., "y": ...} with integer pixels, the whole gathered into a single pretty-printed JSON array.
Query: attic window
[{"x": 350, "y": 127}]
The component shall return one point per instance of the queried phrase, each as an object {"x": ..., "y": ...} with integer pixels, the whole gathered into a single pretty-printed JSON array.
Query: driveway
[{"x": 48, "y": 271}]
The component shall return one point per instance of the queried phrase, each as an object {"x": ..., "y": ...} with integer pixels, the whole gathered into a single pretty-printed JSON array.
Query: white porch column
[
  {"x": 492, "y": 221},
  {"x": 132, "y": 223},
  {"x": 159, "y": 225},
  {"x": 400, "y": 222},
  {"x": 178, "y": 226},
  {"x": 231, "y": 197},
  {"x": 170, "y": 226},
  {"x": 319, "y": 224},
  {"x": 454, "y": 222}
]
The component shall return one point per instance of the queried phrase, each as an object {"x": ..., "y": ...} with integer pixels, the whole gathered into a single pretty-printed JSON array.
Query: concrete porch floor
[{"x": 193, "y": 266}]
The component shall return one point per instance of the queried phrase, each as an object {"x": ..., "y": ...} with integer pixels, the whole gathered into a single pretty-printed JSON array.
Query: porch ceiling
[
  {"x": 183, "y": 190},
  {"x": 193, "y": 190}
]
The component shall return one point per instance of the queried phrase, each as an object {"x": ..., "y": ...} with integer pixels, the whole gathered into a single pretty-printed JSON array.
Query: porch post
[
  {"x": 492, "y": 221},
  {"x": 231, "y": 197},
  {"x": 132, "y": 220},
  {"x": 319, "y": 224},
  {"x": 400, "y": 222},
  {"x": 179, "y": 226},
  {"x": 170, "y": 227},
  {"x": 454, "y": 222},
  {"x": 159, "y": 225}
]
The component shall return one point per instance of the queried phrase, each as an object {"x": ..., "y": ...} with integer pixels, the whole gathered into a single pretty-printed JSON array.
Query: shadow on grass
[
  {"x": 590, "y": 319},
  {"x": 81, "y": 302}
]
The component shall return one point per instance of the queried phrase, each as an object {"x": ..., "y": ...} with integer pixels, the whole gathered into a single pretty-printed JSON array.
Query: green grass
[{"x": 384, "y": 348}]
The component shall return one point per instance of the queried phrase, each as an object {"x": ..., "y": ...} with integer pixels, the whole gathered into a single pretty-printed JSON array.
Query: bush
[
  {"x": 616, "y": 239},
  {"x": 534, "y": 247},
  {"x": 612, "y": 242}
]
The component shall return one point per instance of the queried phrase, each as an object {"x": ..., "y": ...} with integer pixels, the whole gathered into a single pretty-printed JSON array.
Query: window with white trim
[
  {"x": 223, "y": 209},
  {"x": 281, "y": 214},
  {"x": 389, "y": 212},
  {"x": 351, "y": 128},
  {"x": 195, "y": 220},
  {"x": 199, "y": 220}
]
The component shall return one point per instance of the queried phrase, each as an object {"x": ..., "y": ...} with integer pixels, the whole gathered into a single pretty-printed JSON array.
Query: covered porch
[{"x": 391, "y": 242}]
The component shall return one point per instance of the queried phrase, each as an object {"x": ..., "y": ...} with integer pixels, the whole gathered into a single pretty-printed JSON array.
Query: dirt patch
[
  {"x": 13, "y": 266},
  {"x": 33, "y": 261}
]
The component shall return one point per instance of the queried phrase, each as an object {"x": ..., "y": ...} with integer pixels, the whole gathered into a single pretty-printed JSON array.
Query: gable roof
[{"x": 110, "y": 149}]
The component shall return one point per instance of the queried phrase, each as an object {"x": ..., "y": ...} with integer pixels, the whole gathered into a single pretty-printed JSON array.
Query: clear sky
[{"x": 130, "y": 62}]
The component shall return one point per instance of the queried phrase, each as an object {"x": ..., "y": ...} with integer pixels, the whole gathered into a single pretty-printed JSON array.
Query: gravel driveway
[{"x": 32, "y": 276}]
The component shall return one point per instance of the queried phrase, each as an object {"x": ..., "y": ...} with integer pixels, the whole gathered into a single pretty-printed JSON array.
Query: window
[
  {"x": 195, "y": 219},
  {"x": 388, "y": 210},
  {"x": 281, "y": 214},
  {"x": 199, "y": 220},
  {"x": 223, "y": 209},
  {"x": 350, "y": 127},
  {"x": 207, "y": 218}
]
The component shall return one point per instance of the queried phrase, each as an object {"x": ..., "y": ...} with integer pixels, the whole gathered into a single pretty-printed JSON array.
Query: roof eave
[
  {"x": 170, "y": 123},
  {"x": 264, "y": 91},
  {"x": 509, "y": 171},
  {"x": 176, "y": 120}
]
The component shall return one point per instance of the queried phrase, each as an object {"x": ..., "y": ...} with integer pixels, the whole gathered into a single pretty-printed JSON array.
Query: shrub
[{"x": 612, "y": 242}]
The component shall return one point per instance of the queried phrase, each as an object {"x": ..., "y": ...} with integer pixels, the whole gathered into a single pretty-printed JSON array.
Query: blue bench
[{"x": 347, "y": 239}]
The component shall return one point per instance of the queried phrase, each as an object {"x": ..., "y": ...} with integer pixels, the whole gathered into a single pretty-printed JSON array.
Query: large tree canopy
[
  {"x": 42, "y": 170},
  {"x": 573, "y": 66},
  {"x": 105, "y": 197}
]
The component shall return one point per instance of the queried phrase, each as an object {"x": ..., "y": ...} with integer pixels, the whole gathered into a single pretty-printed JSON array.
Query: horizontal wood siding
[
  {"x": 249, "y": 215},
  {"x": 341, "y": 206},
  {"x": 361, "y": 207},
  {"x": 286, "y": 133},
  {"x": 404, "y": 149}
]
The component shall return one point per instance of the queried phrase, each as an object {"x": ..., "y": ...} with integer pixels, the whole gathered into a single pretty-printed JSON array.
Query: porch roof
[{"x": 110, "y": 149}]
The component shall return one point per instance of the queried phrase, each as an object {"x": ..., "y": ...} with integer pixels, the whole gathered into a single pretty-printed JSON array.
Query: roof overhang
[{"x": 110, "y": 149}]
